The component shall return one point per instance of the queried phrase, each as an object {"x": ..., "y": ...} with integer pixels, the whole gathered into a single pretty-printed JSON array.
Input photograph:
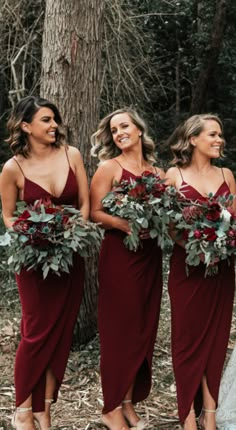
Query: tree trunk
[
  {"x": 71, "y": 78},
  {"x": 211, "y": 57}
]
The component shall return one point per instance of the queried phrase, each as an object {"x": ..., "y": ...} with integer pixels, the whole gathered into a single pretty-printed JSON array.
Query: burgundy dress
[
  {"x": 201, "y": 310},
  {"x": 130, "y": 288},
  {"x": 49, "y": 312}
]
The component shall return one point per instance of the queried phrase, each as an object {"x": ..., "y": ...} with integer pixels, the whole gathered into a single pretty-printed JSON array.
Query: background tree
[{"x": 71, "y": 78}]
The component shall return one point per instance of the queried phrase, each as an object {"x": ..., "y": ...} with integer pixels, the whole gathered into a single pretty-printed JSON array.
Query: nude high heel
[
  {"x": 19, "y": 410},
  {"x": 201, "y": 417},
  {"x": 106, "y": 424},
  {"x": 37, "y": 422},
  {"x": 140, "y": 425}
]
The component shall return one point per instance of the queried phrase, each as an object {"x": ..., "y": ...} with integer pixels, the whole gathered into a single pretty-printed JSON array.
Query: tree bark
[
  {"x": 71, "y": 78},
  {"x": 211, "y": 57}
]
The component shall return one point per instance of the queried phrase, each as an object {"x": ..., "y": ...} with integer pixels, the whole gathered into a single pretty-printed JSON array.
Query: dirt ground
[{"x": 80, "y": 398}]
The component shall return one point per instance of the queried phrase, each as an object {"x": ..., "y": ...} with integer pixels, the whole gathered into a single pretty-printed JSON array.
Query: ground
[{"x": 80, "y": 398}]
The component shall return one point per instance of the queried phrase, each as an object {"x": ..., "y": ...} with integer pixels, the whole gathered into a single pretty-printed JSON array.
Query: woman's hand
[{"x": 121, "y": 224}]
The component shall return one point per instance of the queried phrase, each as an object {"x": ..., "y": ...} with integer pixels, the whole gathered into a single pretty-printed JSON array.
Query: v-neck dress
[
  {"x": 201, "y": 309},
  {"x": 49, "y": 310},
  {"x": 130, "y": 289}
]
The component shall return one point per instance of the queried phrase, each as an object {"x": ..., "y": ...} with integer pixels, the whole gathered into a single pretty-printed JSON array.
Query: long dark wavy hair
[{"x": 25, "y": 110}]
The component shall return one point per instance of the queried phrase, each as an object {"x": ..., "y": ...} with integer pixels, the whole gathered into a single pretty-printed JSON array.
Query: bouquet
[
  {"x": 44, "y": 235},
  {"x": 144, "y": 203},
  {"x": 209, "y": 230}
]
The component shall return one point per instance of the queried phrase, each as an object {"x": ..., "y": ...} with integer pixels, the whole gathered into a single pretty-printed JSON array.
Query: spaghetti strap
[
  {"x": 181, "y": 174},
  {"x": 118, "y": 163},
  {"x": 222, "y": 171},
  {"x": 17, "y": 162},
  {"x": 66, "y": 150}
]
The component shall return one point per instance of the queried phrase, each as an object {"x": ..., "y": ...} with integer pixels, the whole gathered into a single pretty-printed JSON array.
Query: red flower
[
  {"x": 138, "y": 191},
  {"x": 49, "y": 210},
  {"x": 158, "y": 189},
  {"x": 232, "y": 233},
  {"x": 25, "y": 215},
  {"x": 213, "y": 213},
  {"x": 197, "y": 234},
  {"x": 210, "y": 234},
  {"x": 146, "y": 173}
]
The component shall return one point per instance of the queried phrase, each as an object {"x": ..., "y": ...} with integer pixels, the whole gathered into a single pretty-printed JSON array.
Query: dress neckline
[
  {"x": 131, "y": 173},
  {"x": 46, "y": 191},
  {"x": 204, "y": 197}
]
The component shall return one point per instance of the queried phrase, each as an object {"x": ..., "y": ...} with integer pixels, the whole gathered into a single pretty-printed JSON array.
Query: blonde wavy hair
[
  {"x": 179, "y": 141},
  {"x": 103, "y": 145},
  {"x": 25, "y": 110}
]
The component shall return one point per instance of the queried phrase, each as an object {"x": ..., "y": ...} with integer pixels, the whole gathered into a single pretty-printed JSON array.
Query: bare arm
[
  {"x": 80, "y": 173},
  {"x": 232, "y": 186},
  {"x": 9, "y": 191},
  {"x": 173, "y": 178},
  {"x": 101, "y": 184}
]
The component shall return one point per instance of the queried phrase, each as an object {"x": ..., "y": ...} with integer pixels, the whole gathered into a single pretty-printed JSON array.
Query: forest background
[{"x": 166, "y": 58}]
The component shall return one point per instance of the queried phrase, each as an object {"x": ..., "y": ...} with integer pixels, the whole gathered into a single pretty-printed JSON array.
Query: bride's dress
[{"x": 226, "y": 411}]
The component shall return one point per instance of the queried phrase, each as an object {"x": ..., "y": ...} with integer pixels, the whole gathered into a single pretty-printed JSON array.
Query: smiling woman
[
  {"x": 130, "y": 283},
  {"x": 198, "y": 340},
  {"x": 49, "y": 306}
]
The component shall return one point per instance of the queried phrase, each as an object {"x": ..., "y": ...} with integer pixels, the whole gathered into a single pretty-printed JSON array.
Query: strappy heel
[
  {"x": 104, "y": 421},
  {"x": 201, "y": 417},
  {"x": 50, "y": 401},
  {"x": 19, "y": 410},
  {"x": 140, "y": 425}
]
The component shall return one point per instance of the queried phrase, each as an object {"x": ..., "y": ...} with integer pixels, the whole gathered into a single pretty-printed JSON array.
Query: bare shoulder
[
  {"x": 228, "y": 174},
  {"x": 73, "y": 153},
  {"x": 107, "y": 171},
  {"x": 109, "y": 166},
  {"x": 172, "y": 175},
  {"x": 160, "y": 172},
  {"x": 10, "y": 167}
]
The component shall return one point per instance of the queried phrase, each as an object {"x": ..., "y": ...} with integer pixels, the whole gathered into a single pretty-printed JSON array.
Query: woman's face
[
  {"x": 124, "y": 132},
  {"x": 209, "y": 142},
  {"x": 42, "y": 128}
]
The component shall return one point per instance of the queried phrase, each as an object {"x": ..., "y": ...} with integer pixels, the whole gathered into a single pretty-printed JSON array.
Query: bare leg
[
  {"x": 43, "y": 418},
  {"x": 115, "y": 420},
  {"x": 128, "y": 408},
  {"x": 23, "y": 417},
  {"x": 208, "y": 418},
  {"x": 190, "y": 422}
]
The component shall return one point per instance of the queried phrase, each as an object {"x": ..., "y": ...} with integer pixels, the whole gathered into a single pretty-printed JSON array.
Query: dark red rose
[
  {"x": 49, "y": 210},
  {"x": 25, "y": 215},
  {"x": 210, "y": 234},
  {"x": 214, "y": 211},
  {"x": 158, "y": 189},
  {"x": 147, "y": 174},
  {"x": 138, "y": 191}
]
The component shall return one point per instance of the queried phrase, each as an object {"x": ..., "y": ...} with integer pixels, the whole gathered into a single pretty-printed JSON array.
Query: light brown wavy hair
[
  {"x": 103, "y": 145},
  {"x": 179, "y": 141},
  {"x": 25, "y": 110}
]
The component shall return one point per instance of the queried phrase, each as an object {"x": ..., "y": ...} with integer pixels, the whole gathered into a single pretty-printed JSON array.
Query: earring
[{"x": 140, "y": 134}]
